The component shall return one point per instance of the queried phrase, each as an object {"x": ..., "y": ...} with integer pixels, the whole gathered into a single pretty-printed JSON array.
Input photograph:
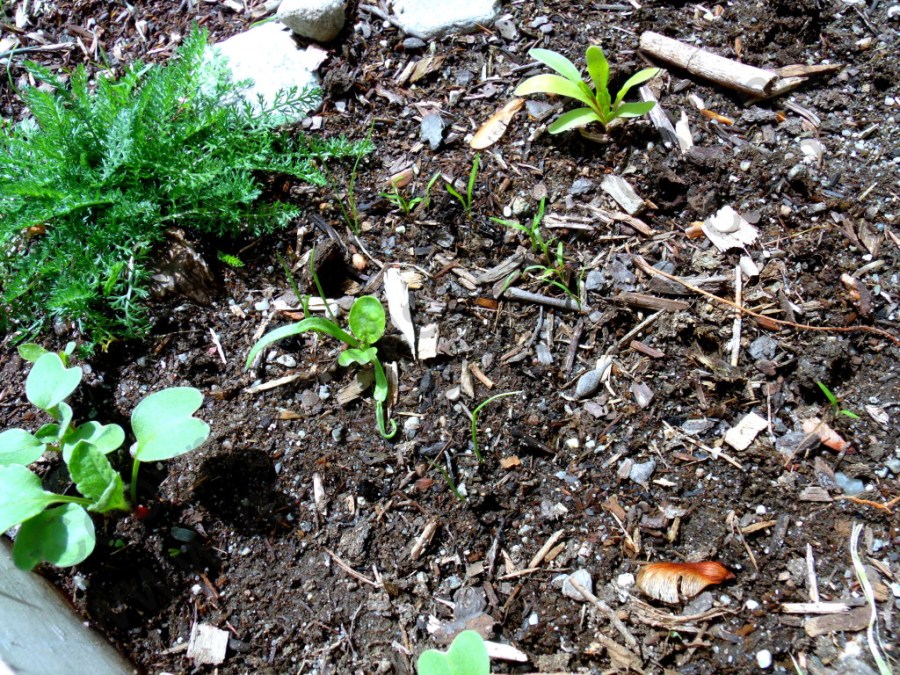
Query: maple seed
[{"x": 673, "y": 582}]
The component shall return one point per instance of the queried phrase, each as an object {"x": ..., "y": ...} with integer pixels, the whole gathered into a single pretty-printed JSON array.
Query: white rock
[
  {"x": 319, "y": 20},
  {"x": 435, "y": 18},
  {"x": 287, "y": 361},
  {"x": 583, "y": 577},
  {"x": 764, "y": 658},
  {"x": 269, "y": 57}
]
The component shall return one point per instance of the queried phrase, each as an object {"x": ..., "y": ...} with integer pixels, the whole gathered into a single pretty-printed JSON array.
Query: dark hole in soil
[
  {"x": 126, "y": 589},
  {"x": 239, "y": 488}
]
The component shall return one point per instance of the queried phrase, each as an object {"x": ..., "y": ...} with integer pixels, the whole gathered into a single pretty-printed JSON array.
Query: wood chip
[
  {"x": 651, "y": 302},
  {"x": 428, "y": 342},
  {"x": 855, "y": 620},
  {"x": 624, "y": 195},
  {"x": 207, "y": 644},
  {"x": 742, "y": 434},
  {"x": 397, "y": 294}
]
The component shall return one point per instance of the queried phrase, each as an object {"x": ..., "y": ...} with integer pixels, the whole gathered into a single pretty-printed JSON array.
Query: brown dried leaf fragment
[
  {"x": 674, "y": 582},
  {"x": 493, "y": 130},
  {"x": 858, "y": 293}
]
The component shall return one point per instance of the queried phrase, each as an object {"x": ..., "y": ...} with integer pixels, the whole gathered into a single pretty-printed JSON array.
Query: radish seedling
[
  {"x": 57, "y": 528},
  {"x": 367, "y": 321},
  {"x": 467, "y": 656}
]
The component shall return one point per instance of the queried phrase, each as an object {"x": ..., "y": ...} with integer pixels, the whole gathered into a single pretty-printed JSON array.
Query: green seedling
[
  {"x": 231, "y": 260},
  {"x": 467, "y": 656},
  {"x": 835, "y": 403},
  {"x": 32, "y": 352},
  {"x": 399, "y": 201},
  {"x": 57, "y": 528},
  {"x": 554, "y": 270},
  {"x": 447, "y": 479},
  {"x": 367, "y": 322},
  {"x": 466, "y": 200},
  {"x": 347, "y": 202},
  {"x": 600, "y": 107},
  {"x": 474, "y": 426}
]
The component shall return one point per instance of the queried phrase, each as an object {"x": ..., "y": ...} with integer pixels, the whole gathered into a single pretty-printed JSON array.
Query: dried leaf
[
  {"x": 510, "y": 462},
  {"x": 493, "y": 130},
  {"x": 673, "y": 582},
  {"x": 426, "y": 66},
  {"x": 397, "y": 293},
  {"x": 858, "y": 293}
]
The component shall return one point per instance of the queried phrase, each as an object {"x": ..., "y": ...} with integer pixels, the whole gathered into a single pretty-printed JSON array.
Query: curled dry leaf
[
  {"x": 493, "y": 130},
  {"x": 673, "y": 582}
]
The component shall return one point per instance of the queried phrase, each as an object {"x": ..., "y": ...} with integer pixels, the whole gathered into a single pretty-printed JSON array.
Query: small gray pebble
[
  {"x": 588, "y": 383},
  {"x": 583, "y": 578},
  {"x": 413, "y": 43}
]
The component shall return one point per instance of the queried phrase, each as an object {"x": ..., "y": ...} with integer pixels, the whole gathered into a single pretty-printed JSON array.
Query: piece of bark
[
  {"x": 856, "y": 619},
  {"x": 755, "y": 82},
  {"x": 659, "y": 118},
  {"x": 503, "y": 270},
  {"x": 624, "y": 195},
  {"x": 651, "y": 302}
]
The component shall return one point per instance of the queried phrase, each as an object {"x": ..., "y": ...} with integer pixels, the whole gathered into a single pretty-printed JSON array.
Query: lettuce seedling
[
  {"x": 600, "y": 106},
  {"x": 367, "y": 322},
  {"x": 57, "y": 528},
  {"x": 467, "y": 656}
]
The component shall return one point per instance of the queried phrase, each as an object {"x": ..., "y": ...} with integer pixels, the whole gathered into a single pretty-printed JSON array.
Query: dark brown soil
[{"x": 235, "y": 537}]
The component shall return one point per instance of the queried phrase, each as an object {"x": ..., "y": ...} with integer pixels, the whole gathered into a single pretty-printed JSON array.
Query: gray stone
[
  {"x": 268, "y": 56},
  {"x": 581, "y": 186},
  {"x": 507, "y": 28},
  {"x": 641, "y": 473},
  {"x": 594, "y": 280},
  {"x": 583, "y": 578},
  {"x": 428, "y": 19},
  {"x": 287, "y": 361},
  {"x": 850, "y": 486},
  {"x": 763, "y": 347},
  {"x": 319, "y": 20},
  {"x": 588, "y": 383},
  {"x": 433, "y": 130},
  {"x": 411, "y": 43},
  {"x": 544, "y": 355}
]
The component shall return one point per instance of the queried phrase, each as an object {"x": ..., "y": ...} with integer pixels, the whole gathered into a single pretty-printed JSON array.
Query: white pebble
[{"x": 764, "y": 658}]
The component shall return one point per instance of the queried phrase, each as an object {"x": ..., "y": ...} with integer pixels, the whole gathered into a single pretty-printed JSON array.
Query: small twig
[
  {"x": 352, "y": 572},
  {"x": 736, "y": 329},
  {"x": 630, "y": 335},
  {"x": 545, "y": 549},
  {"x": 37, "y": 48},
  {"x": 573, "y": 347},
  {"x": 765, "y": 320},
  {"x": 525, "y": 296},
  {"x": 867, "y": 502},
  {"x": 607, "y": 611},
  {"x": 215, "y": 339}
]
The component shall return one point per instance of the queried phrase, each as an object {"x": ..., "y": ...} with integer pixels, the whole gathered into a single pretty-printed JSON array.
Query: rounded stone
[{"x": 319, "y": 20}]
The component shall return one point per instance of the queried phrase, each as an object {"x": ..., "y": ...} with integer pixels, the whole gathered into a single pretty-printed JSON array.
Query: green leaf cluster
[
  {"x": 467, "y": 656},
  {"x": 90, "y": 182},
  {"x": 367, "y": 323},
  {"x": 465, "y": 200},
  {"x": 57, "y": 528},
  {"x": 599, "y": 104}
]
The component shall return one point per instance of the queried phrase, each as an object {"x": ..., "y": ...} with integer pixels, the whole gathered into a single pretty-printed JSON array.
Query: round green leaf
[
  {"x": 50, "y": 382},
  {"x": 21, "y": 496},
  {"x": 63, "y": 536},
  {"x": 17, "y": 446},
  {"x": 31, "y": 352},
  {"x": 367, "y": 319},
  {"x": 163, "y": 425},
  {"x": 466, "y": 656},
  {"x": 105, "y": 437}
]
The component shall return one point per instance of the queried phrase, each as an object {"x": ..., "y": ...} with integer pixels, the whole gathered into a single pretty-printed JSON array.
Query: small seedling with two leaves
[
  {"x": 406, "y": 205},
  {"x": 474, "y": 422},
  {"x": 835, "y": 402},
  {"x": 554, "y": 270},
  {"x": 57, "y": 528},
  {"x": 467, "y": 655},
  {"x": 600, "y": 106},
  {"x": 466, "y": 200},
  {"x": 367, "y": 322}
]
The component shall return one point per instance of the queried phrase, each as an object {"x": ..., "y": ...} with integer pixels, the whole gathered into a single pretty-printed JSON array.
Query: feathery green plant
[{"x": 89, "y": 183}]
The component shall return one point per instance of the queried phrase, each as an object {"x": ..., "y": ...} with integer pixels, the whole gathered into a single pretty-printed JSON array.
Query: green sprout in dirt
[
  {"x": 407, "y": 204},
  {"x": 91, "y": 180},
  {"x": 57, "y": 528},
  {"x": 600, "y": 106},
  {"x": 367, "y": 322},
  {"x": 467, "y": 655},
  {"x": 553, "y": 270},
  {"x": 465, "y": 200},
  {"x": 231, "y": 260},
  {"x": 474, "y": 425},
  {"x": 835, "y": 402}
]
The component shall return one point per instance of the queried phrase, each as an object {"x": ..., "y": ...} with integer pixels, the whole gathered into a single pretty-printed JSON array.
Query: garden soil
[{"x": 322, "y": 548}]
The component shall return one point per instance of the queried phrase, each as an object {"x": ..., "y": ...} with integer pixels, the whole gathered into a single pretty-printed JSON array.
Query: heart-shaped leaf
[
  {"x": 31, "y": 352},
  {"x": 17, "y": 446},
  {"x": 367, "y": 319},
  {"x": 50, "y": 382},
  {"x": 21, "y": 496},
  {"x": 62, "y": 536},
  {"x": 466, "y": 656},
  {"x": 360, "y": 356},
  {"x": 163, "y": 425},
  {"x": 105, "y": 437},
  {"x": 96, "y": 479}
]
